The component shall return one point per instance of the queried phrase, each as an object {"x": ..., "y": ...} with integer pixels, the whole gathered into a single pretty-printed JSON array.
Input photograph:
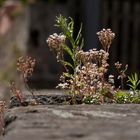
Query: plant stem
[
  {"x": 122, "y": 83},
  {"x": 27, "y": 86}
]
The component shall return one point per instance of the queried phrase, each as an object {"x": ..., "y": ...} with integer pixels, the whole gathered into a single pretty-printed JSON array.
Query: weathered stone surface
[{"x": 73, "y": 122}]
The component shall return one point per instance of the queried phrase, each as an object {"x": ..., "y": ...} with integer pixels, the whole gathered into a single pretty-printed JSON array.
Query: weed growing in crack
[
  {"x": 133, "y": 82},
  {"x": 16, "y": 92},
  {"x": 25, "y": 65},
  {"x": 57, "y": 43},
  {"x": 89, "y": 68},
  {"x": 90, "y": 80},
  {"x": 133, "y": 94},
  {"x": 121, "y": 71}
]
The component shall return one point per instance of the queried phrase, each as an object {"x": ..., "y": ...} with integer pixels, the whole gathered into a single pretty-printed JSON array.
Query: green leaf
[
  {"x": 134, "y": 81},
  {"x": 66, "y": 63},
  {"x": 68, "y": 50},
  {"x": 120, "y": 94},
  {"x": 71, "y": 26},
  {"x": 67, "y": 74},
  {"x": 138, "y": 82},
  {"x": 131, "y": 86},
  {"x": 136, "y": 77},
  {"x": 82, "y": 44},
  {"x": 78, "y": 38}
]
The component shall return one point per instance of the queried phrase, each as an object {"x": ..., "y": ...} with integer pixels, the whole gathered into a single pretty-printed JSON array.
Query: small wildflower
[
  {"x": 63, "y": 85},
  {"x": 25, "y": 65},
  {"x": 118, "y": 65},
  {"x": 56, "y": 41},
  {"x": 121, "y": 72},
  {"x": 105, "y": 37}
]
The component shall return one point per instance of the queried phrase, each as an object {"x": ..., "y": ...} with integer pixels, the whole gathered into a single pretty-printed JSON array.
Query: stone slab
[{"x": 74, "y": 122}]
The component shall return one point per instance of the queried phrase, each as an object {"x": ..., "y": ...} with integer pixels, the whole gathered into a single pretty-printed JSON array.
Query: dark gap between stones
[{"x": 46, "y": 100}]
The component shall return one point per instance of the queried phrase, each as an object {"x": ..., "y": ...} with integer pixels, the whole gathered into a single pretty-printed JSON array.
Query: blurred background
[{"x": 26, "y": 24}]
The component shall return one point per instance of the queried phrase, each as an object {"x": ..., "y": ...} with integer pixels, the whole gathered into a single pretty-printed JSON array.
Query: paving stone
[{"x": 73, "y": 122}]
